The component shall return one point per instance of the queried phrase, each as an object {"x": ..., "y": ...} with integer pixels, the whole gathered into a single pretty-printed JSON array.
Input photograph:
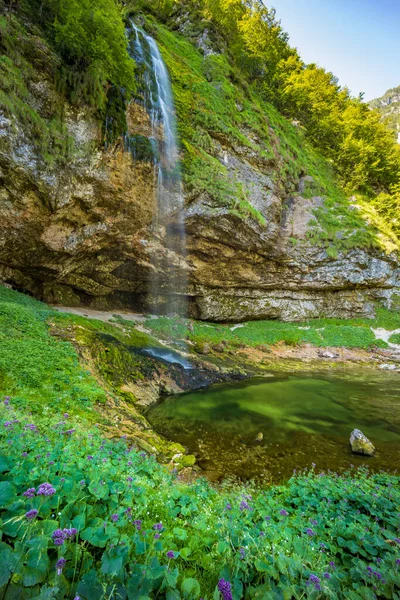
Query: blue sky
[{"x": 358, "y": 40}]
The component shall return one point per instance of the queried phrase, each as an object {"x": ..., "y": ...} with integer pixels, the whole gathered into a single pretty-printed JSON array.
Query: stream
[{"x": 303, "y": 419}]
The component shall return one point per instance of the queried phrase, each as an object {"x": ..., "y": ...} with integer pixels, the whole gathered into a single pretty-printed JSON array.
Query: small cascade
[{"x": 168, "y": 280}]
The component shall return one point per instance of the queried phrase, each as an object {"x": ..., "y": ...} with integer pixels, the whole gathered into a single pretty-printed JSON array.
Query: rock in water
[{"x": 360, "y": 444}]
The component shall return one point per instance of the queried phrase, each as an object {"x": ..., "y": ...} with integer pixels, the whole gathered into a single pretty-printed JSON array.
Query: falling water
[{"x": 168, "y": 279}]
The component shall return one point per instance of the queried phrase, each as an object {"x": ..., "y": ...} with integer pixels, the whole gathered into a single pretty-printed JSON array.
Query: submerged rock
[{"x": 360, "y": 444}]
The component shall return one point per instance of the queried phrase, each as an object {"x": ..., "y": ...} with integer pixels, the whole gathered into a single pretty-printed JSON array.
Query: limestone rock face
[
  {"x": 360, "y": 444},
  {"x": 81, "y": 233}
]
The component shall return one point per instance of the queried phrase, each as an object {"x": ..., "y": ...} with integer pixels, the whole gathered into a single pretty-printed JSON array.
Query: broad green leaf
[
  {"x": 4, "y": 464},
  {"x": 8, "y": 561},
  {"x": 172, "y": 577},
  {"x": 185, "y": 552},
  {"x": 190, "y": 589},
  {"x": 89, "y": 588},
  {"x": 7, "y": 493}
]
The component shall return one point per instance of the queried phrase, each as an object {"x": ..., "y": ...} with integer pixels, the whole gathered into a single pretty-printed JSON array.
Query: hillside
[{"x": 388, "y": 106}]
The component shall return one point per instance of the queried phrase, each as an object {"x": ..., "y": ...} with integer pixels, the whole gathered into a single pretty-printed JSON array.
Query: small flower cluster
[
  {"x": 31, "y": 427},
  {"x": 45, "y": 489},
  {"x": 31, "y": 514},
  {"x": 60, "y": 564},
  {"x": 225, "y": 589},
  {"x": 315, "y": 581},
  {"x": 60, "y": 535},
  {"x": 29, "y": 493}
]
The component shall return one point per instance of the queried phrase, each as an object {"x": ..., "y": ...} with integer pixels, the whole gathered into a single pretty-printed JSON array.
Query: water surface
[{"x": 303, "y": 418}]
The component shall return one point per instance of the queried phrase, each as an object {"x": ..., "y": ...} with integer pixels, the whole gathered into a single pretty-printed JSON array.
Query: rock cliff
[{"x": 79, "y": 231}]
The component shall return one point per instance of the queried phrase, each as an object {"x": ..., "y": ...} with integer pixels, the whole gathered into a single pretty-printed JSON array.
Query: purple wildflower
[
  {"x": 31, "y": 426},
  {"x": 45, "y": 489},
  {"x": 170, "y": 554},
  {"x": 315, "y": 581},
  {"x": 114, "y": 517},
  {"x": 58, "y": 537},
  {"x": 29, "y": 493},
  {"x": 244, "y": 505},
  {"x": 327, "y": 575},
  {"x": 310, "y": 532},
  {"x": 262, "y": 534},
  {"x": 82, "y": 482},
  {"x": 66, "y": 415},
  {"x": 157, "y": 536},
  {"x": 60, "y": 564},
  {"x": 283, "y": 512},
  {"x": 242, "y": 553},
  {"x": 228, "y": 506},
  {"x": 89, "y": 457},
  {"x": 31, "y": 514},
  {"x": 138, "y": 524},
  {"x": 224, "y": 588},
  {"x": 69, "y": 431},
  {"x": 313, "y": 522},
  {"x": 70, "y": 533},
  {"x": 24, "y": 454},
  {"x": 7, "y": 400},
  {"x": 8, "y": 423},
  {"x": 158, "y": 526},
  {"x": 130, "y": 479},
  {"x": 397, "y": 540},
  {"x": 397, "y": 561}
]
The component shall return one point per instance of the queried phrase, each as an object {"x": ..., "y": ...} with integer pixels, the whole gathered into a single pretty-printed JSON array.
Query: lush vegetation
[
  {"x": 350, "y": 333},
  {"x": 239, "y": 89},
  {"x": 82, "y": 517},
  {"x": 79, "y": 46},
  {"x": 42, "y": 371},
  {"x": 342, "y": 127},
  {"x": 90, "y": 38}
]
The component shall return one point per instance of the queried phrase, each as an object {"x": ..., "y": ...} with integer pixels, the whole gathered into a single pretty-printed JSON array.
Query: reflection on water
[{"x": 303, "y": 419}]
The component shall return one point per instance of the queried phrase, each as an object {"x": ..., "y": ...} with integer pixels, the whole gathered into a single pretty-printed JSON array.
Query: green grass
[
  {"x": 318, "y": 536},
  {"x": 352, "y": 333},
  {"x": 38, "y": 369},
  {"x": 395, "y": 339}
]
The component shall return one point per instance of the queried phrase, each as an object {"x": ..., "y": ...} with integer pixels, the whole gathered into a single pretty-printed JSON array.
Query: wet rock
[
  {"x": 328, "y": 354},
  {"x": 360, "y": 444}
]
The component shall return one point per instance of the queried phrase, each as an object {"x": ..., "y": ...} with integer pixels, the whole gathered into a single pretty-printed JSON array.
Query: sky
[{"x": 358, "y": 40}]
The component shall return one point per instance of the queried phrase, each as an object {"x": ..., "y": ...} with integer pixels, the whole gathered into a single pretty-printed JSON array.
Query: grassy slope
[
  {"x": 352, "y": 333},
  {"x": 45, "y": 373},
  {"x": 214, "y": 102}
]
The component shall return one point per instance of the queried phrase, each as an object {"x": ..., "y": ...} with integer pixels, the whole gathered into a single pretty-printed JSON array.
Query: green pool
[{"x": 302, "y": 419}]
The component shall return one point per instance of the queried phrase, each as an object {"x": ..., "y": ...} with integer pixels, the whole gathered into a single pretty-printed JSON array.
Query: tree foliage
[{"x": 90, "y": 38}]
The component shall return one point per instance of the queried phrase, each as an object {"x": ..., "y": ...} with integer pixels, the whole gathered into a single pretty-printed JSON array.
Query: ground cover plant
[
  {"x": 348, "y": 333},
  {"x": 91, "y": 518}
]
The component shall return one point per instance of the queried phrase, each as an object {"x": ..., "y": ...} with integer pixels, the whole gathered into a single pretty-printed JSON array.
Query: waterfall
[{"x": 168, "y": 280}]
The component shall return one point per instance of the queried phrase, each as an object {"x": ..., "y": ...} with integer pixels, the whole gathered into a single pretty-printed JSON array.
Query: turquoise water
[{"x": 302, "y": 419}]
